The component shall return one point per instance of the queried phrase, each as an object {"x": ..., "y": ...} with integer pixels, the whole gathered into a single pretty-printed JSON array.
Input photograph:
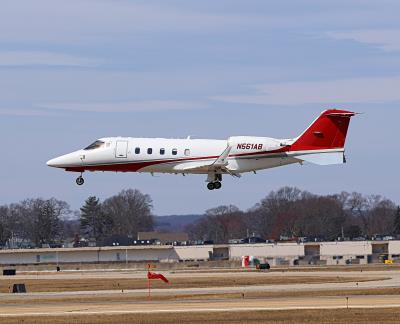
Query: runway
[{"x": 241, "y": 305}]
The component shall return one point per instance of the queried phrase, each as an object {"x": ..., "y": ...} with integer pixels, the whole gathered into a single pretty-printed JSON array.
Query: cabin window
[
  {"x": 162, "y": 151},
  {"x": 137, "y": 150},
  {"x": 174, "y": 151},
  {"x": 187, "y": 152},
  {"x": 149, "y": 150},
  {"x": 94, "y": 145}
]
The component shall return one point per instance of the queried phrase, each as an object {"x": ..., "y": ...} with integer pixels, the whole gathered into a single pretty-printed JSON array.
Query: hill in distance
[{"x": 174, "y": 223}]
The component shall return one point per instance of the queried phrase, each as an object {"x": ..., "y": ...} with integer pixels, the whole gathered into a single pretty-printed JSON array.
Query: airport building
[
  {"x": 274, "y": 254},
  {"x": 292, "y": 254}
]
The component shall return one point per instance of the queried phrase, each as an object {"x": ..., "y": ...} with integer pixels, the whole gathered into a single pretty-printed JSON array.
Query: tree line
[
  {"x": 125, "y": 214},
  {"x": 34, "y": 222},
  {"x": 288, "y": 212},
  {"x": 292, "y": 213}
]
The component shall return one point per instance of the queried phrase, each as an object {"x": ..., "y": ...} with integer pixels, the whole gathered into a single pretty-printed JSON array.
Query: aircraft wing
[{"x": 218, "y": 165}]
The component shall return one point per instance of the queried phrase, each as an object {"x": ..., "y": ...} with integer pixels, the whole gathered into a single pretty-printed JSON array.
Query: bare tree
[
  {"x": 381, "y": 217},
  {"x": 220, "y": 224},
  {"x": 39, "y": 220},
  {"x": 357, "y": 205},
  {"x": 276, "y": 214},
  {"x": 396, "y": 227},
  {"x": 128, "y": 213}
]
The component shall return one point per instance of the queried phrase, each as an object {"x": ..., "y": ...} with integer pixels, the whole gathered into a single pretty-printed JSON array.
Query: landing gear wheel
[
  {"x": 217, "y": 185},
  {"x": 80, "y": 181},
  {"x": 210, "y": 186}
]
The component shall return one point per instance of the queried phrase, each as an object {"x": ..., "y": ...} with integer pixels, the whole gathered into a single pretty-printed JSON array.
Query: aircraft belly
[
  {"x": 178, "y": 167},
  {"x": 163, "y": 168}
]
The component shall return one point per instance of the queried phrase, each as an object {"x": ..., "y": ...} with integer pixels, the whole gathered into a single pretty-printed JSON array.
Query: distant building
[
  {"x": 276, "y": 254},
  {"x": 164, "y": 238},
  {"x": 117, "y": 240}
]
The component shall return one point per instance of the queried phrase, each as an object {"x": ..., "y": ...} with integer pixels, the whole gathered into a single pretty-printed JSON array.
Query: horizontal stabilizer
[{"x": 323, "y": 158}]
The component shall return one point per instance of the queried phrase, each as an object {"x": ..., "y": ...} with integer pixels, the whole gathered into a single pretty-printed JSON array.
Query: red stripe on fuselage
[{"x": 134, "y": 166}]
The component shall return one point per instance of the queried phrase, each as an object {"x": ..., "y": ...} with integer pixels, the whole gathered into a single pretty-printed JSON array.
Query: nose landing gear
[{"x": 80, "y": 181}]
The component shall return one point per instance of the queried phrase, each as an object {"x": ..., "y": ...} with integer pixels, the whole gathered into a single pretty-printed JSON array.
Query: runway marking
[{"x": 195, "y": 310}]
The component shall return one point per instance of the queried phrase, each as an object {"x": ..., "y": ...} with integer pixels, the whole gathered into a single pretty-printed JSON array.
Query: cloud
[
  {"x": 43, "y": 58},
  {"x": 25, "y": 112},
  {"x": 357, "y": 90},
  {"x": 86, "y": 21},
  {"x": 386, "y": 39},
  {"x": 128, "y": 106}
]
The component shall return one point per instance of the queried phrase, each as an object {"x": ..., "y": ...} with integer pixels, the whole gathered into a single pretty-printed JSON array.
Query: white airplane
[{"x": 321, "y": 143}]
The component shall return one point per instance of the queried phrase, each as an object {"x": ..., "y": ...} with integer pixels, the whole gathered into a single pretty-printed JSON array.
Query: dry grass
[
  {"x": 93, "y": 284},
  {"x": 87, "y": 283},
  {"x": 132, "y": 297},
  {"x": 387, "y": 315}
]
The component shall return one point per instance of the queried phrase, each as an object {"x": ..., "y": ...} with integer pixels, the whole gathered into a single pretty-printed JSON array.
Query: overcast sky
[{"x": 74, "y": 71}]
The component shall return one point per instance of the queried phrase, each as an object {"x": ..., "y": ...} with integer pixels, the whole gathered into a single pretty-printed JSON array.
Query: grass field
[
  {"x": 92, "y": 284},
  {"x": 383, "y": 315},
  {"x": 132, "y": 297}
]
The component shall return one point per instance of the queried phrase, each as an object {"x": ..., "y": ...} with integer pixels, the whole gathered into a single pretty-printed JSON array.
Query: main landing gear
[
  {"x": 80, "y": 181},
  {"x": 214, "y": 185},
  {"x": 214, "y": 181}
]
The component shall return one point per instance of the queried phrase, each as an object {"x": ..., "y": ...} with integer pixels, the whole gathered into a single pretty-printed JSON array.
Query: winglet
[{"x": 222, "y": 159}]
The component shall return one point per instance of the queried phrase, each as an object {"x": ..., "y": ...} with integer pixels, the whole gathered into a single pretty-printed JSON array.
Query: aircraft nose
[
  {"x": 67, "y": 160},
  {"x": 54, "y": 162}
]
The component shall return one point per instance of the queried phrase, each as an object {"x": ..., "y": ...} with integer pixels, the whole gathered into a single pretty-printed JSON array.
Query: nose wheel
[{"x": 80, "y": 181}]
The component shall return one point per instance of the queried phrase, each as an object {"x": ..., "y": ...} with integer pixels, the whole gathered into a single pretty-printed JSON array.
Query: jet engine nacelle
[{"x": 250, "y": 144}]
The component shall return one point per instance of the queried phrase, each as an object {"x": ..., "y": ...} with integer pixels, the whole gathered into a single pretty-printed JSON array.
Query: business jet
[{"x": 321, "y": 143}]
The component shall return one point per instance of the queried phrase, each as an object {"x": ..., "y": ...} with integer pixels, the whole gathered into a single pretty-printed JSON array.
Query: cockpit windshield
[{"x": 95, "y": 145}]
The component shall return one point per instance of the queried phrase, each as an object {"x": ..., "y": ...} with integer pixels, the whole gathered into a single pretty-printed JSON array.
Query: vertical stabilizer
[{"x": 328, "y": 131}]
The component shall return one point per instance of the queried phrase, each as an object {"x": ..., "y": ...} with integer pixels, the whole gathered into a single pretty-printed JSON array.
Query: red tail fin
[{"x": 328, "y": 131}]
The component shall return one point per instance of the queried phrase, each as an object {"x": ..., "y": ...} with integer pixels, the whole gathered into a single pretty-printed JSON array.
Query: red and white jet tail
[
  {"x": 323, "y": 141},
  {"x": 328, "y": 131}
]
